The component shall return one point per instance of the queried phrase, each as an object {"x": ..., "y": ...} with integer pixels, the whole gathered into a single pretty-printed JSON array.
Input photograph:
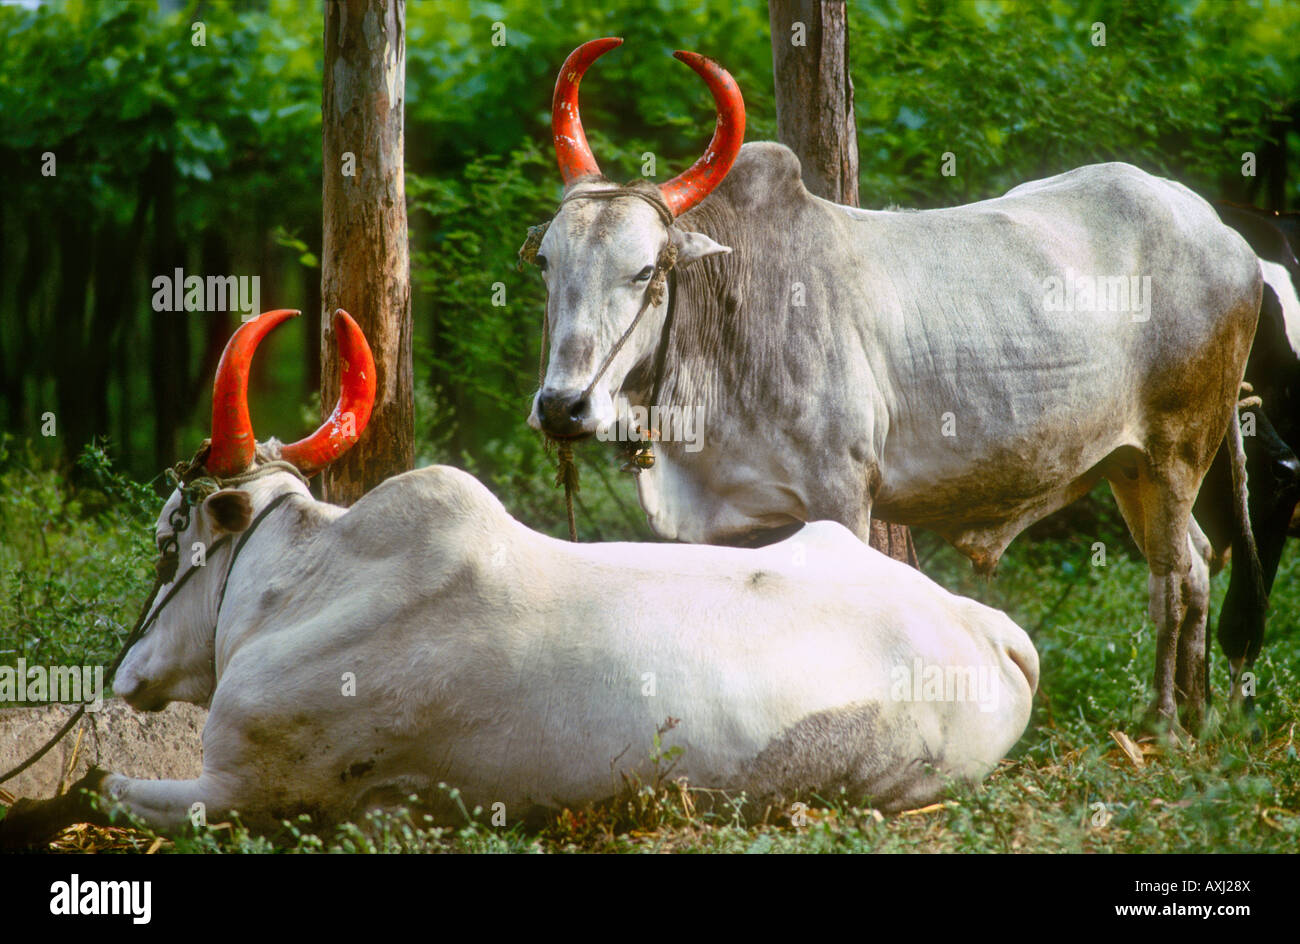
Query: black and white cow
[{"x": 1273, "y": 371}]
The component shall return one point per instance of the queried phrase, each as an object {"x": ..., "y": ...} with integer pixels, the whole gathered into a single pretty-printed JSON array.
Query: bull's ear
[
  {"x": 692, "y": 247},
  {"x": 229, "y": 510}
]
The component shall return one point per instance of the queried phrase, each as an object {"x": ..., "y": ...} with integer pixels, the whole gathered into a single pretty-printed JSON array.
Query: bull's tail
[{"x": 1245, "y": 555}]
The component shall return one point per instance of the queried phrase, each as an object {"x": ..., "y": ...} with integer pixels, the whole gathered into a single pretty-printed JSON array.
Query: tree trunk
[
  {"x": 364, "y": 262},
  {"x": 168, "y": 352},
  {"x": 74, "y": 424},
  {"x": 34, "y": 323},
  {"x": 114, "y": 301},
  {"x": 214, "y": 253},
  {"x": 814, "y": 94},
  {"x": 311, "y": 311},
  {"x": 814, "y": 117}
]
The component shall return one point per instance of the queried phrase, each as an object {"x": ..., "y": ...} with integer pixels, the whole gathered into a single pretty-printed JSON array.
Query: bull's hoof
[
  {"x": 1241, "y": 718},
  {"x": 1164, "y": 726},
  {"x": 1193, "y": 720}
]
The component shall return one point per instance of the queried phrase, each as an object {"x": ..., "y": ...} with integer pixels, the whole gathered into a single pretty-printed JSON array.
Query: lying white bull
[
  {"x": 358, "y": 656},
  {"x": 517, "y": 667}
]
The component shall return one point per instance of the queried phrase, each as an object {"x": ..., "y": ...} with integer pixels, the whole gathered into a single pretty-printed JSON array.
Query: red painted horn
[
  {"x": 697, "y": 182},
  {"x": 571, "y": 148},
  {"x": 685, "y": 190},
  {"x": 232, "y": 447},
  {"x": 351, "y": 413}
]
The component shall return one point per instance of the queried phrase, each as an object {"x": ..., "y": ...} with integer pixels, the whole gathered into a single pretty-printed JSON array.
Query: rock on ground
[{"x": 165, "y": 745}]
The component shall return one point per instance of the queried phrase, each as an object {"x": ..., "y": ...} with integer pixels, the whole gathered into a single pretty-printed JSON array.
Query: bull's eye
[
  {"x": 541, "y": 262},
  {"x": 644, "y": 274}
]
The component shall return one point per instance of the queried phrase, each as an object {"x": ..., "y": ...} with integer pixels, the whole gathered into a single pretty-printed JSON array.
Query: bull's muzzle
[
  {"x": 138, "y": 693},
  {"x": 565, "y": 414},
  {"x": 142, "y": 699}
]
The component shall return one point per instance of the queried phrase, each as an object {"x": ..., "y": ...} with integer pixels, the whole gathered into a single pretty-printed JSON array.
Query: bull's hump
[
  {"x": 1114, "y": 180},
  {"x": 765, "y": 173},
  {"x": 1087, "y": 172}
]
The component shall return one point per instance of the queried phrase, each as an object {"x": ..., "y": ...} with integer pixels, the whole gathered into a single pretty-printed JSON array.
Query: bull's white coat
[
  {"x": 531, "y": 672},
  {"x": 909, "y": 365}
]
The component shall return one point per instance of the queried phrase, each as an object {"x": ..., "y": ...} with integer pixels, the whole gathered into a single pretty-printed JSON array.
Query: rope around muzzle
[
  {"x": 195, "y": 485},
  {"x": 566, "y": 469}
]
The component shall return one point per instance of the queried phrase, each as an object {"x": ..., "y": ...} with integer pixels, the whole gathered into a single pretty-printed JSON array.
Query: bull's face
[
  {"x": 599, "y": 255},
  {"x": 598, "y": 259},
  {"x": 175, "y": 659}
]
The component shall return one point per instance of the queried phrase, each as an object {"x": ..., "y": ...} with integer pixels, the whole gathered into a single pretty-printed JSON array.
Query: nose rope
[
  {"x": 566, "y": 470},
  {"x": 654, "y": 295}
]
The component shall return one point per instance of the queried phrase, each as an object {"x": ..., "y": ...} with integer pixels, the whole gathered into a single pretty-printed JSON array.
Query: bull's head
[
  {"x": 602, "y": 256},
  {"x": 217, "y": 496}
]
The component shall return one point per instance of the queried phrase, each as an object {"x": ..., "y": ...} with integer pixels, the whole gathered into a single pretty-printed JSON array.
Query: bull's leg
[
  {"x": 169, "y": 805},
  {"x": 860, "y": 523},
  {"x": 1126, "y": 481},
  {"x": 1160, "y": 521},
  {"x": 1191, "y": 678},
  {"x": 1177, "y": 595},
  {"x": 1166, "y": 610},
  {"x": 163, "y": 805}
]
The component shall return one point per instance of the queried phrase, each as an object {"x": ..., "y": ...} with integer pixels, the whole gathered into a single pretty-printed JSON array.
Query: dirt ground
[{"x": 161, "y": 745}]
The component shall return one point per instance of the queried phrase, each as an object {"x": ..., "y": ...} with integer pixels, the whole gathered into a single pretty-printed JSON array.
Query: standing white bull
[
  {"x": 352, "y": 657},
  {"x": 969, "y": 370}
]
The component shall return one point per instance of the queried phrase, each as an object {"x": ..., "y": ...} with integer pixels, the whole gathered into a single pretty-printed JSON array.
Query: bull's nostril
[
  {"x": 563, "y": 414},
  {"x": 550, "y": 405}
]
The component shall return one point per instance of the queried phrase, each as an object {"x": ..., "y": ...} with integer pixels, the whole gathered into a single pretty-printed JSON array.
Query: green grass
[{"x": 74, "y": 565}]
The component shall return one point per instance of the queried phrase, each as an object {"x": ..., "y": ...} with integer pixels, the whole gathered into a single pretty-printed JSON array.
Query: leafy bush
[{"x": 75, "y": 563}]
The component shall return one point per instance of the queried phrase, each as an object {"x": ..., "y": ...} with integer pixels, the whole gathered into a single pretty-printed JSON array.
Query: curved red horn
[
  {"x": 571, "y": 148},
  {"x": 689, "y": 188},
  {"x": 232, "y": 446},
  {"x": 344, "y": 426}
]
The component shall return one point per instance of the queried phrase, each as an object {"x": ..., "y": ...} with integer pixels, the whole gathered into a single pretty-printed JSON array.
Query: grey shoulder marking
[{"x": 840, "y": 747}]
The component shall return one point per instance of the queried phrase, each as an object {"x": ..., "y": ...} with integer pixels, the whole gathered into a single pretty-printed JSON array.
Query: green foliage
[
  {"x": 457, "y": 81},
  {"x": 75, "y": 563},
  {"x": 109, "y": 87},
  {"x": 167, "y": 153},
  {"x": 1019, "y": 91}
]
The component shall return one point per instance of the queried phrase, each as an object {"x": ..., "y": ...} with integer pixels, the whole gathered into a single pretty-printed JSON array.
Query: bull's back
[
  {"x": 758, "y": 655},
  {"x": 1043, "y": 329}
]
